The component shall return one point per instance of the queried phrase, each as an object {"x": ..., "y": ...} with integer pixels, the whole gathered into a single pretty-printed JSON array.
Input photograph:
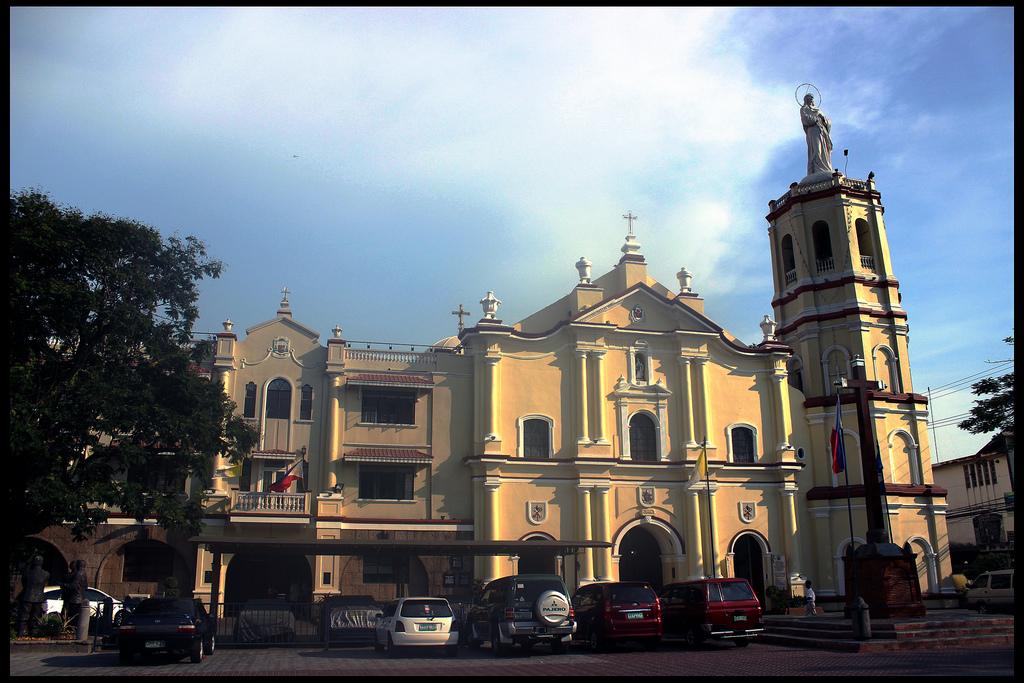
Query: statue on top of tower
[{"x": 817, "y": 128}]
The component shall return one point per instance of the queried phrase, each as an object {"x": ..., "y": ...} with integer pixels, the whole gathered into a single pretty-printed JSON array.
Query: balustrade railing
[
  {"x": 278, "y": 503},
  {"x": 867, "y": 262},
  {"x": 825, "y": 265},
  {"x": 790, "y": 277},
  {"x": 387, "y": 356}
]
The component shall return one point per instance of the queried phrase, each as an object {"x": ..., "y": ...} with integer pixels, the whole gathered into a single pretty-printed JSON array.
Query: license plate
[
  {"x": 428, "y": 627},
  {"x": 155, "y": 643},
  {"x": 739, "y": 617},
  {"x": 634, "y": 615}
]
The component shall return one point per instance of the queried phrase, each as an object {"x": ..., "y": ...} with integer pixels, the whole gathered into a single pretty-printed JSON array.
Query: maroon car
[
  {"x": 607, "y": 613},
  {"x": 711, "y": 609}
]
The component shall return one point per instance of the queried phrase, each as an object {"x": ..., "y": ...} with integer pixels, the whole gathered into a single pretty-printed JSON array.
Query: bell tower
[{"x": 836, "y": 295}]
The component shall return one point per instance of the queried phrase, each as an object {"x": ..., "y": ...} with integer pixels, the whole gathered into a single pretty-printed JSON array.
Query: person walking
[{"x": 809, "y": 607}]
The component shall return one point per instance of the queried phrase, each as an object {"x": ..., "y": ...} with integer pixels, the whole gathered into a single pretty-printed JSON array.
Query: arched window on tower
[
  {"x": 822, "y": 247},
  {"x": 643, "y": 437},
  {"x": 788, "y": 260},
  {"x": 795, "y": 371},
  {"x": 864, "y": 244},
  {"x": 536, "y": 438},
  {"x": 835, "y": 364},
  {"x": 887, "y": 369},
  {"x": 742, "y": 441}
]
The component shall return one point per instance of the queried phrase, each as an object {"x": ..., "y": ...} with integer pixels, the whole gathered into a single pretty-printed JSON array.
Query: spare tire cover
[{"x": 551, "y": 608}]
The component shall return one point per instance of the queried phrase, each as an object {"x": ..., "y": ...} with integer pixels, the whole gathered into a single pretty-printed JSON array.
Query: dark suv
[
  {"x": 711, "y": 608},
  {"x": 607, "y": 613},
  {"x": 524, "y": 609}
]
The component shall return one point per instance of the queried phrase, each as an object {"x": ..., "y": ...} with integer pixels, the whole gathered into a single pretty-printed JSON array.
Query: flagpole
[
  {"x": 711, "y": 522},
  {"x": 849, "y": 507},
  {"x": 885, "y": 496}
]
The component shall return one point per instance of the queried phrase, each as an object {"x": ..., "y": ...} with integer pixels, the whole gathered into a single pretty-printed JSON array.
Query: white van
[{"x": 992, "y": 591}]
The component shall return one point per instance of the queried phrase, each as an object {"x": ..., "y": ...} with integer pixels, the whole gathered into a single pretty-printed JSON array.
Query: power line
[{"x": 968, "y": 377}]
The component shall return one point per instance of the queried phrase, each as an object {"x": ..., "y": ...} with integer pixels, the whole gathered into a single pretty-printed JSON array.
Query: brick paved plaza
[{"x": 670, "y": 660}]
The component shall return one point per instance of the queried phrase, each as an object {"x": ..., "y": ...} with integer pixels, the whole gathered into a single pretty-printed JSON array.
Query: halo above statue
[{"x": 806, "y": 89}]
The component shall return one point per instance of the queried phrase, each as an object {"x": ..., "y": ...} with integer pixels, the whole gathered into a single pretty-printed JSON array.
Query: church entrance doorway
[
  {"x": 640, "y": 558},
  {"x": 748, "y": 563},
  {"x": 252, "y": 576}
]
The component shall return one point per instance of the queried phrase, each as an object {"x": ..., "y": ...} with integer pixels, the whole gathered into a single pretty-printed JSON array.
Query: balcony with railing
[
  {"x": 825, "y": 265},
  {"x": 867, "y": 263},
  {"x": 268, "y": 503},
  {"x": 790, "y": 276}
]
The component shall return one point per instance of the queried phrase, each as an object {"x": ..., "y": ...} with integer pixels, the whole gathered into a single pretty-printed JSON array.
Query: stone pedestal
[{"x": 886, "y": 579}]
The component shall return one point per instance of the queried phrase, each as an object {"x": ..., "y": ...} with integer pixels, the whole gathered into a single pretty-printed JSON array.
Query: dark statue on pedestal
[{"x": 30, "y": 601}]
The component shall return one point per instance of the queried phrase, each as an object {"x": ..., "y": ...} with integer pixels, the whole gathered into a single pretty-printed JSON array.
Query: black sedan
[{"x": 177, "y": 625}]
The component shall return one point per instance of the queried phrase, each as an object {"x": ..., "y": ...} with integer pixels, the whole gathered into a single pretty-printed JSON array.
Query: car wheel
[
  {"x": 742, "y": 642},
  {"x": 196, "y": 653},
  {"x": 596, "y": 642},
  {"x": 691, "y": 638},
  {"x": 497, "y": 649},
  {"x": 451, "y": 650},
  {"x": 389, "y": 647},
  {"x": 558, "y": 647},
  {"x": 209, "y": 645},
  {"x": 125, "y": 656}
]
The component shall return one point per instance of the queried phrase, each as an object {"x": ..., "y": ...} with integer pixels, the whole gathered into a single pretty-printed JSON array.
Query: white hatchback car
[
  {"x": 54, "y": 603},
  {"x": 417, "y": 622}
]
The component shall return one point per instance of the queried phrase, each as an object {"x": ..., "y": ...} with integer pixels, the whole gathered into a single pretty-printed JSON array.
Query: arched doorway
[
  {"x": 261, "y": 575},
  {"x": 748, "y": 562},
  {"x": 640, "y": 558},
  {"x": 537, "y": 561},
  {"x": 53, "y": 562}
]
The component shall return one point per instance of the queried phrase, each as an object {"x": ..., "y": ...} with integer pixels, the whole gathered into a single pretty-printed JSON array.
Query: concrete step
[{"x": 889, "y": 645}]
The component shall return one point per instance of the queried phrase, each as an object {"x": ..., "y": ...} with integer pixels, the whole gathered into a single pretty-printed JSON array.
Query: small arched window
[
  {"x": 250, "y": 400},
  {"x": 306, "y": 403},
  {"x": 742, "y": 439},
  {"x": 788, "y": 259},
  {"x": 643, "y": 438},
  {"x": 794, "y": 369},
  {"x": 536, "y": 438},
  {"x": 887, "y": 369},
  {"x": 822, "y": 247},
  {"x": 279, "y": 398},
  {"x": 835, "y": 365},
  {"x": 864, "y": 245}
]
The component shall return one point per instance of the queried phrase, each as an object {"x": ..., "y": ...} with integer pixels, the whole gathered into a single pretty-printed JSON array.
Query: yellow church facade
[{"x": 583, "y": 424}]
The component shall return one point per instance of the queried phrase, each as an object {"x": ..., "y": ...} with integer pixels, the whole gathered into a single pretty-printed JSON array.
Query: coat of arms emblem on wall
[
  {"x": 748, "y": 511},
  {"x": 646, "y": 496},
  {"x": 536, "y": 511},
  {"x": 280, "y": 346}
]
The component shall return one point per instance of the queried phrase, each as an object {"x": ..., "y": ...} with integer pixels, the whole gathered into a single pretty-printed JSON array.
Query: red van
[
  {"x": 607, "y": 613},
  {"x": 711, "y": 609}
]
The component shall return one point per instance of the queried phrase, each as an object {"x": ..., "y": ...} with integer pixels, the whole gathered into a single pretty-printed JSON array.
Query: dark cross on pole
[
  {"x": 284, "y": 293},
  {"x": 872, "y": 488},
  {"x": 461, "y": 313},
  {"x": 630, "y": 218}
]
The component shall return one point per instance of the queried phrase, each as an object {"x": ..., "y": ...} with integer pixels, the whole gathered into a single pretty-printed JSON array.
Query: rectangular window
[
  {"x": 992, "y": 466},
  {"x": 306, "y": 403},
  {"x": 386, "y": 482},
  {"x": 967, "y": 477},
  {"x": 974, "y": 476},
  {"x": 389, "y": 407},
  {"x": 249, "y": 409},
  {"x": 984, "y": 471},
  {"x": 385, "y": 569}
]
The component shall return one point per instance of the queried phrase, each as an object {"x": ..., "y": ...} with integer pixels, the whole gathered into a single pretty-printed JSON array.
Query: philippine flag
[
  {"x": 282, "y": 484},
  {"x": 838, "y": 449}
]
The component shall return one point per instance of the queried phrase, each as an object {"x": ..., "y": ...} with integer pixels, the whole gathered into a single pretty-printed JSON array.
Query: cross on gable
[
  {"x": 284, "y": 293},
  {"x": 630, "y": 218}
]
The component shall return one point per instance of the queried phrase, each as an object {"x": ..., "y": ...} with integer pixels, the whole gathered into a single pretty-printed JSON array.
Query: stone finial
[
  {"x": 284, "y": 310},
  {"x": 337, "y": 331},
  {"x": 490, "y": 304},
  {"x": 768, "y": 327},
  {"x": 685, "y": 278},
  {"x": 632, "y": 246},
  {"x": 583, "y": 266},
  {"x": 228, "y": 325}
]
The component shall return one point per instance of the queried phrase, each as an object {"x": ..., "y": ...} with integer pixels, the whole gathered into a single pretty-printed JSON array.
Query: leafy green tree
[
  {"x": 996, "y": 412},
  {"x": 103, "y": 372}
]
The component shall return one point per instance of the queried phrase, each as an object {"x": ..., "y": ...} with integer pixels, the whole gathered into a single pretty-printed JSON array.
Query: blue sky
[{"x": 387, "y": 165}]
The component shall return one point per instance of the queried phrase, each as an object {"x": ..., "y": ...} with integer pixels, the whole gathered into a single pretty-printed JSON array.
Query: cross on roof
[
  {"x": 630, "y": 217},
  {"x": 284, "y": 293},
  {"x": 461, "y": 313}
]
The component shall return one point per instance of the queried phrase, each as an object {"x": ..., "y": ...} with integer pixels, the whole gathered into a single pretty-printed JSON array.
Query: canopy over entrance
[{"x": 331, "y": 546}]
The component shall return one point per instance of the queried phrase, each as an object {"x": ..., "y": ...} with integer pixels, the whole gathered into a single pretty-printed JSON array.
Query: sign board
[{"x": 779, "y": 577}]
